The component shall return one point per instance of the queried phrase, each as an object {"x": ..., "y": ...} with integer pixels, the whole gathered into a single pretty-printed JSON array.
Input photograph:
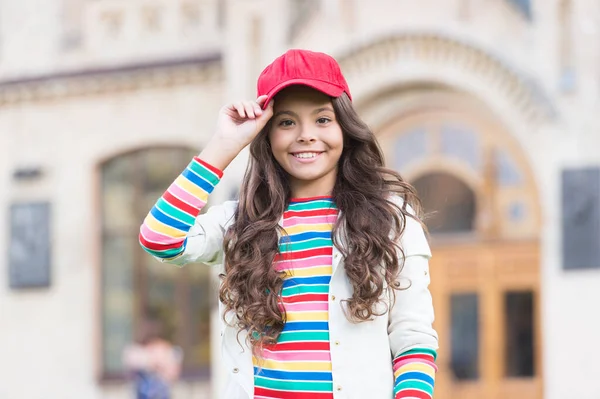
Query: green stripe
[
  {"x": 306, "y": 289},
  {"x": 300, "y": 246},
  {"x": 296, "y": 336},
  {"x": 415, "y": 384},
  {"x": 204, "y": 172},
  {"x": 164, "y": 254},
  {"x": 173, "y": 212},
  {"x": 295, "y": 386},
  {"x": 312, "y": 205}
]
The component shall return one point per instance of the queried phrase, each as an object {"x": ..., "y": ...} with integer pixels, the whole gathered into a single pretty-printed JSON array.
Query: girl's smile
[{"x": 307, "y": 156}]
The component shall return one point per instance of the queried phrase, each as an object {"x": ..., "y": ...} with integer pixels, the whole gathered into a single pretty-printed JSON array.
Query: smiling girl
[{"x": 324, "y": 262}]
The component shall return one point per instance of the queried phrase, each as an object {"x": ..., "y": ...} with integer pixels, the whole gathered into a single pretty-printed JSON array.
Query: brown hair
[{"x": 372, "y": 223}]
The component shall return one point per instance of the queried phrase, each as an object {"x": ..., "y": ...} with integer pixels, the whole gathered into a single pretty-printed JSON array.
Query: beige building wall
[{"x": 52, "y": 335}]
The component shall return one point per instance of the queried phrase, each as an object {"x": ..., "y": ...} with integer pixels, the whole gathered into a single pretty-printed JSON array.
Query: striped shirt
[
  {"x": 300, "y": 361},
  {"x": 414, "y": 374},
  {"x": 163, "y": 233},
  {"x": 299, "y": 365}
]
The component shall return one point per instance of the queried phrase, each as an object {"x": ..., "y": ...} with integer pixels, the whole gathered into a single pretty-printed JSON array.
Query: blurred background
[{"x": 489, "y": 107}]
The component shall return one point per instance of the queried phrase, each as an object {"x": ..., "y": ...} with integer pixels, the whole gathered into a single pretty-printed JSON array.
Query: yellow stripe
[
  {"x": 163, "y": 228},
  {"x": 422, "y": 367},
  {"x": 191, "y": 188},
  {"x": 310, "y": 316},
  {"x": 293, "y": 366},
  {"x": 313, "y": 271},
  {"x": 313, "y": 227}
]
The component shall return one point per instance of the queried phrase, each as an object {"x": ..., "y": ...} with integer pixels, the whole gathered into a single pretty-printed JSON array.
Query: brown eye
[
  {"x": 323, "y": 120},
  {"x": 286, "y": 123}
]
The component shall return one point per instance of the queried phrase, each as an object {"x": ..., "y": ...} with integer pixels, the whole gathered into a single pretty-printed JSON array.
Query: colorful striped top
[
  {"x": 414, "y": 374},
  {"x": 163, "y": 233},
  {"x": 299, "y": 365},
  {"x": 305, "y": 338}
]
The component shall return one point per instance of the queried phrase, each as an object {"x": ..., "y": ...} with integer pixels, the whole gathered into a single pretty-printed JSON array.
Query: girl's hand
[{"x": 239, "y": 123}]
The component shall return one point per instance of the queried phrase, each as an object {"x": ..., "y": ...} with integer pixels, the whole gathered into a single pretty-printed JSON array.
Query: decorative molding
[
  {"x": 99, "y": 81},
  {"x": 431, "y": 48}
]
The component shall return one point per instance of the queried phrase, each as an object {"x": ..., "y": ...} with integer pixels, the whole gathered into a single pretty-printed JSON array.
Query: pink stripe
[
  {"x": 298, "y": 356},
  {"x": 157, "y": 238},
  {"x": 307, "y": 306},
  {"x": 307, "y": 221},
  {"x": 325, "y": 260},
  {"x": 185, "y": 196}
]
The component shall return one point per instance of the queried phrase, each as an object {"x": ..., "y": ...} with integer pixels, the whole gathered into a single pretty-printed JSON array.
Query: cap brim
[{"x": 324, "y": 87}]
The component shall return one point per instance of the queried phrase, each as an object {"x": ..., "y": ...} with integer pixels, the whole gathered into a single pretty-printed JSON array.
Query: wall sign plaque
[{"x": 29, "y": 248}]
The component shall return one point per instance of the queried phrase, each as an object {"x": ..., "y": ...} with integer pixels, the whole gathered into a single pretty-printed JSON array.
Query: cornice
[{"x": 100, "y": 81}]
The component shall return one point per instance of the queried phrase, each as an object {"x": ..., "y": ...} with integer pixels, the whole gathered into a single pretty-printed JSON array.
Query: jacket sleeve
[
  {"x": 175, "y": 232},
  {"x": 413, "y": 340}
]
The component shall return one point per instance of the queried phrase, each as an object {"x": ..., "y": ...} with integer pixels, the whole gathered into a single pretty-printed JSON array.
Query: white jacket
[{"x": 361, "y": 353}]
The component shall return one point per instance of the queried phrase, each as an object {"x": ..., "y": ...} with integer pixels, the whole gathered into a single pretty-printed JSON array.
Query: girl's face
[{"x": 306, "y": 140}]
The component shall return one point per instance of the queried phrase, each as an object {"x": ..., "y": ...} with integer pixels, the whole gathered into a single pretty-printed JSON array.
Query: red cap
[{"x": 302, "y": 67}]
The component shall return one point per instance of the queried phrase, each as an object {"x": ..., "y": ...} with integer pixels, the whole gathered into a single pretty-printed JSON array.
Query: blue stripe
[
  {"x": 415, "y": 375},
  {"x": 200, "y": 182},
  {"x": 294, "y": 375},
  {"x": 304, "y": 236},
  {"x": 293, "y": 281},
  {"x": 306, "y": 326},
  {"x": 169, "y": 221}
]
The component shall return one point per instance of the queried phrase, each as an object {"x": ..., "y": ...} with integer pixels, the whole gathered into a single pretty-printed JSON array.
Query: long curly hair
[{"x": 371, "y": 222}]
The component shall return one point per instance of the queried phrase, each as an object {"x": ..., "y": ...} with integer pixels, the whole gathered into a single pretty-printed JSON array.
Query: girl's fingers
[
  {"x": 240, "y": 109},
  {"x": 257, "y": 109},
  {"x": 249, "y": 107},
  {"x": 266, "y": 114},
  {"x": 261, "y": 100},
  {"x": 269, "y": 109}
]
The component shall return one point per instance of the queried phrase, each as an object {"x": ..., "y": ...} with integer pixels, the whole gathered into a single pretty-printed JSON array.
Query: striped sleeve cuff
[
  {"x": 163, "y": 233},
  {"x": 414, "y": 374}
]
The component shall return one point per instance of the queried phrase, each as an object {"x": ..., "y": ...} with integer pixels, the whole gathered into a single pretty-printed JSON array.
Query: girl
[{"x": 324, "y": 284}]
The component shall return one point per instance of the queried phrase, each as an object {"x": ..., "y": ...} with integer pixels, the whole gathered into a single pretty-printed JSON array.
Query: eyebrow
[{"x": 291, "y": 113}]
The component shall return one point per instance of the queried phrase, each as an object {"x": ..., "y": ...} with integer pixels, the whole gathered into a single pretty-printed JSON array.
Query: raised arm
[
  {"x": 174, "y": 231},
  {"x": 165, "y": 231}
]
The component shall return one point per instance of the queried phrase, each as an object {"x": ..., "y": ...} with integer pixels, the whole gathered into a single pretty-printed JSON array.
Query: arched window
[
  {"x": 449, "y": 204},
  {"x": 136, "y": 287}
]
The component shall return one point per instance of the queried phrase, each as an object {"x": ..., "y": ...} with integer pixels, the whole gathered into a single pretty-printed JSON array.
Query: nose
[{"x": 306, "y": 136}]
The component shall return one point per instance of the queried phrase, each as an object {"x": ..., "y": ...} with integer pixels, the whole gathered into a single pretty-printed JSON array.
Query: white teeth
[{"x": 305, "y": 155}]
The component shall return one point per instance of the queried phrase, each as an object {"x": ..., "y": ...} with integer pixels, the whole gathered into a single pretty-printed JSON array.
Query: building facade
[{"x": 487, "y": 107}]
